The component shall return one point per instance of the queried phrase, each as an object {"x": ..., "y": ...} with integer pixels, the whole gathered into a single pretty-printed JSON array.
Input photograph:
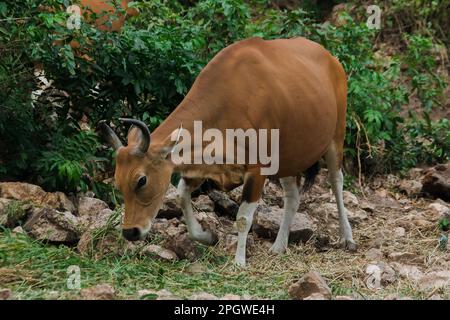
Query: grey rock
[
  {"x": 350, "y": 199},
  {"x": 47, "y": 224},
  {"x": 268, "y": 219},
  {"x": 435, "y": 280},
  {"x": 35, "y": 195},
  {"x": 310, "y": 283},
  {"x": 99, "y": 292},
  {"x": 203, "y": 203},
  {"x": 410, "y": 187},
  {"x": 436, "y": 181},
  {"x": 170, "y": 207},
  {"x": 90, "y": 206},
  {"x": 223, "y": 205},
  {"x": 374, "y": 254},
  {"x": 5, "y": 294},
  {"x": 405, "y": 257},
  {"x": 158, "y": 252}
]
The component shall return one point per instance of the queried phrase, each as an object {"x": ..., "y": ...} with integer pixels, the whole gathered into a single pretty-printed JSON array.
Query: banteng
[{"x": 294, "y": 86}]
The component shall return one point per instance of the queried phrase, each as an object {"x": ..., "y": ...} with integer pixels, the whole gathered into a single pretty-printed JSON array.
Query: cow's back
[{"x": 285, "y": 84}]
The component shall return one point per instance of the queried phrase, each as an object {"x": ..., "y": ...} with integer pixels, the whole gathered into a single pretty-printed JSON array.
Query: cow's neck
[{"x": 185, "y": 114}]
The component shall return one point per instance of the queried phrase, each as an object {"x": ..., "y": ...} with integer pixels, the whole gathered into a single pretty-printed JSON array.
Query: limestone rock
[
  {"x": 170, "y": 207},
  {"x": 158, "y": 252},
  {"x": 436, "y": 182},
  {"x": 405, "y": 257},
  {"x": 441, "y": 210},
  {"x": 90, "y": 206},
  {"x": 5, "y": 294},
  {"x": 203, "y": 203},
  {"x": 409, "y": 272},
  {"x": 399, "y": 232},
  {"x": 273, "y": 194},
  {"x": 410, "y": 187},
  {"x": 268, "y": 219},
  {"x": 18, "y": 230},
  {"x": 99, "y": 292},
  {"x": 434, "y": 280},
  {"x": 223, "y": 205},
  {"x": 47, "y": 224},
  {"x": 27, "y": 192},
  {"x": 98, "y": 220},
  {"x": 310, "y": 283},
  {"x": 350, "y": 199},
  {"x": 374, "y": 254},
  {"x": 316, "y": 296},
  {"x": 176, "y": 238}
]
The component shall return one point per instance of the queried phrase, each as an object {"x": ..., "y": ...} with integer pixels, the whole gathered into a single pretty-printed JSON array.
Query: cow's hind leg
[
  {"x": 195, "y": 230},
  {"x": 251, "y": 193},
  {"x": 336, "y": 179},
  {"x": 291, "y": 203}
]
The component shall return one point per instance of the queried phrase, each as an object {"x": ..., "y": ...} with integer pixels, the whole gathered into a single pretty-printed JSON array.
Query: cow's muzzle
[{"x": 132, "y": 234}]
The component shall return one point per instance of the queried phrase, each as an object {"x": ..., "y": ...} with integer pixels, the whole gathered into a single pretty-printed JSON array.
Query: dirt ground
[{"x": 401, "y": 255}]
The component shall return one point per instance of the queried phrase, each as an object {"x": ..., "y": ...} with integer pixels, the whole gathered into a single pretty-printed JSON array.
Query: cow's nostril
[{"x": 132, "y": 234}]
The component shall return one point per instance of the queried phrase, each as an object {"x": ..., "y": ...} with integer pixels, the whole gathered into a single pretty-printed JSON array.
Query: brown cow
[{"x": 294, "y": 86}]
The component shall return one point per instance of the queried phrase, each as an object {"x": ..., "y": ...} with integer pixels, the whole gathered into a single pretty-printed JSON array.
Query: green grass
[{"x": 32, "y": 270}]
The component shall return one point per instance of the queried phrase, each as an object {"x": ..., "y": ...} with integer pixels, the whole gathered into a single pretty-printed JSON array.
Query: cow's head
[{"x": 142, "y": 176}]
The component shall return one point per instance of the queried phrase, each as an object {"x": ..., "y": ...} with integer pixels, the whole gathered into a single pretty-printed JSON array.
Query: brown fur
[{"x": 293, "y": 85}]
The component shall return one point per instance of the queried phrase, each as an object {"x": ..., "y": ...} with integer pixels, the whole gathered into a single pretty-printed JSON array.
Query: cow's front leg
[
  {"x": 251, "y": 193},
  {"x": 195, "y": 230}
]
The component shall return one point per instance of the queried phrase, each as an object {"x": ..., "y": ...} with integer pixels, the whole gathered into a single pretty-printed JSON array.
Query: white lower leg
[
  {"x": 244, "y": 220},
  {"x": 194, "y": 228},
  {"x": 291, "y": 203},
  {"x": 337, "y": 183}
]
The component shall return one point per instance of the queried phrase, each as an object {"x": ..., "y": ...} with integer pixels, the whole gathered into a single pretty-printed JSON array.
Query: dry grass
[{"x": 34, "y": 270}]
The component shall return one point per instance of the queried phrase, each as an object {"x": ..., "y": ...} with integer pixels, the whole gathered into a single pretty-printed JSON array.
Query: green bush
[
  {"x": 421, "y": 68},
  {"x": 70, "y": 163},
  {"x": 145, "y": 70}
]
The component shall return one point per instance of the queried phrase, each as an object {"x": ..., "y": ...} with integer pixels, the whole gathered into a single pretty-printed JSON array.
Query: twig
[{"x": 8, "y": 19}]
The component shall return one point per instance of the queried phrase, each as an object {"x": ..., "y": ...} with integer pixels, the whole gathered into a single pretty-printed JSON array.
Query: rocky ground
[{"x": 400, "y": 225}]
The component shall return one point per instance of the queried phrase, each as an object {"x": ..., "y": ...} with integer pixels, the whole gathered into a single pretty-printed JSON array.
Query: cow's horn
[
  {"x": 145, "y": 143},
  {"x": 109, "y": 135}
]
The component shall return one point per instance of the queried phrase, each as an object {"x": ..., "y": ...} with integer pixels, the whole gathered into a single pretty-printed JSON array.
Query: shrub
[
  {"x": 145, "y": 70},
  {"x": 70, "y": 163},
  {"x": 421, "y": 68}
]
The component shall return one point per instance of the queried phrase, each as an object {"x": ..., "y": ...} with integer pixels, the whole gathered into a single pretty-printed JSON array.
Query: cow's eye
[{"x": 141, "y": 182}]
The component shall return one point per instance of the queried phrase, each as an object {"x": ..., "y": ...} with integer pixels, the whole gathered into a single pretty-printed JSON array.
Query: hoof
[
  {"x": 239, "y": 262},
  {"x": 206, "y": 237},
  {"x": 348, "y": 245},
  {"x": 277, "y": 249}
]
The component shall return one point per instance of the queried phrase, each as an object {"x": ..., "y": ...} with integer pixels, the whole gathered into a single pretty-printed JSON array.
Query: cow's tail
[{"x": 310, "y": 176}]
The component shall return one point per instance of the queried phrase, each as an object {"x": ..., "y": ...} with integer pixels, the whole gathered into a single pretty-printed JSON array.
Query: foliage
[
  {"x": 145, "y": 70},
  {"x": 70, "y": 163},
  {"x": 429, "y": 18},
  {"x": 444, "y": 224},
  {"x": 421, "y": 64}
]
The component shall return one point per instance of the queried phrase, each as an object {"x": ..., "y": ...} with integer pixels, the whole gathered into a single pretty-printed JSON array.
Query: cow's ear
[
  {"x": 138, "y": 135},
  {"x": 134, "y": 136},
  {"x": 171, "y": 142}
]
